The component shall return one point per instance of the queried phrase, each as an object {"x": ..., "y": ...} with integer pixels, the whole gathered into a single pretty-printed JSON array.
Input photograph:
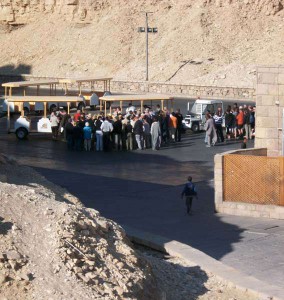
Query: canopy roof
[
  {"x": 145, "y": 97},
  {"x": 83, "y": 79},
  {"x": 30, "y": 83},
  {"x": 44, "y": 99}
]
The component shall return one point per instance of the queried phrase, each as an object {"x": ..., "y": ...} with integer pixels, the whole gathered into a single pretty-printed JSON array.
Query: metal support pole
[
  {"x": 44, "y": 109},
  {"x": 147, "y": 60},
  {"x": 283, "y": 132},
  {"x": 8, "y": 117}
]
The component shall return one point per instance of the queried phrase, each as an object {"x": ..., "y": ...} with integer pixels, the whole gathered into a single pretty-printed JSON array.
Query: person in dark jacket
[
  {"x": 218, "y": 119},
  {"x": 117, "y": 132},
  {"x": 69, "y": 127},
  {"x": 189, "y": 191},
  {"x": 138, "y": 131},
  {"x": 78, "y": 137},
  {"x": 163, "y": 119},
  {"x": 229, "y": 122},
  {"x": 179, "y": 117},
  {"x": 129, "y": 135},
  {"x": 64, "y": 117}
]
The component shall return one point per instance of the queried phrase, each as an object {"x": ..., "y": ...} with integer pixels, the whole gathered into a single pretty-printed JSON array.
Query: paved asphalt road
[{"x": 141, "y": 189}]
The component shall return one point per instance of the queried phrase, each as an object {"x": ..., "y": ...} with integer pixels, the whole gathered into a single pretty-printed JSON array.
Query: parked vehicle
[
  {"x": 14, "y": 107},
  {"x": 195, "y": 119},
  {"x": 23, "y": 125},
  {"x": 87, "y": 98}
]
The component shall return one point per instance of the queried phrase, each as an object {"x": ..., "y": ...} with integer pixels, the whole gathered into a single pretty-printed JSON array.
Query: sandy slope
[{"x": 216, "y": 41}]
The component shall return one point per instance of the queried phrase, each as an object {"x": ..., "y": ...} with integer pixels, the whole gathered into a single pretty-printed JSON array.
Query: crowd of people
[
  {"x": 134, "y": 129},
  {"x": 239, "y": 124},
  {"x": 150, "y": 128}
]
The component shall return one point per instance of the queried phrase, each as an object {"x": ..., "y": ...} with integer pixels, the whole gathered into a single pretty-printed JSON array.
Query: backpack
[{"x": 190, "y": 189}]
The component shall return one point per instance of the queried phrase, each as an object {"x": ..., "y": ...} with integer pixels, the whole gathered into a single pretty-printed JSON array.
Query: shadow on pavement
[
  {"x": 152, "y": 207},
  {"x": 138, "y": 189}
]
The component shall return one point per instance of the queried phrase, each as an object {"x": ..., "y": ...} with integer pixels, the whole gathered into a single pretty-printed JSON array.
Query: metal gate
[{"x": 254, "y": 179}]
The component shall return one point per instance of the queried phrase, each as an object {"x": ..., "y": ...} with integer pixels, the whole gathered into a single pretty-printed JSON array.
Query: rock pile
[
  {"x": 97, "y": 252},
  {"x": 51, "y": 249},
  {"x": 15, "y": 277}
]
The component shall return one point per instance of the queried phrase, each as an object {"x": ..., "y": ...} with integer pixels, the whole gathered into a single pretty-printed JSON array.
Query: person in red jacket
[
  {"x": 240, "y": 121},
  {"x": 173, "y": 126},
  {"x": 77, "y": 116}
]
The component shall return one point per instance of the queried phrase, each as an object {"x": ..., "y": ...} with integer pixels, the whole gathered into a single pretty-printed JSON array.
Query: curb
[{"x": 231, "y": 276}]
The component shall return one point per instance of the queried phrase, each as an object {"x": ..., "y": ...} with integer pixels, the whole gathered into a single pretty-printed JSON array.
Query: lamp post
[{"x": 147, "y": 30}]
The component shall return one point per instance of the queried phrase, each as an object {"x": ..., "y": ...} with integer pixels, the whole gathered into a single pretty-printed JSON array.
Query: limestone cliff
[{"x": 201, "y": 41}]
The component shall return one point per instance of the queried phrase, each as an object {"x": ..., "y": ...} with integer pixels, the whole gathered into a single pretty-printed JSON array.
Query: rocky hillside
[
  {"x": 198, "y": 41},
  {"x": 51, "y": 247}
]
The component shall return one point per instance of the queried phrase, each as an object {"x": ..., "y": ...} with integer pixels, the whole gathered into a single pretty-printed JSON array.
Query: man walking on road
[{"x": 189, "y": 191}]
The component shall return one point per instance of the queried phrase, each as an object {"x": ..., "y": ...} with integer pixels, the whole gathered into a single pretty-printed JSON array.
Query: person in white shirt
[
  {"x": 130, "y": 108},
  {"x": 106, "y": 128}
]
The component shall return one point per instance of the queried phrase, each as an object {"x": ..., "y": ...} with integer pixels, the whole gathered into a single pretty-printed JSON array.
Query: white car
[{"x": 195, "y": 119}]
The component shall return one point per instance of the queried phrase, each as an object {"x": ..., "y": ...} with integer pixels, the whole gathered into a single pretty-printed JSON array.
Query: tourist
[
  {"x": 252, "y": 117},
  {"x": 209, "y": 127},
  {"x": 69, "y": 128},
  {"x": 130, "y": 108},
  {"x": 158, "y": 109},
  {"x": 229, "y": 122},
  {"x": 106, "y": 128},
  {"x": 54, "y": 125},
  {"x": 64, "y": 117},
  {"x": 129, "y": 135},
  {"x": 78, "y": 137},
  {"x": 240, "y": 121},
  {"x": 117, "y": 132},
  {"x": 87, "y": 131},
  {"x": 99, "y": 134},
  {"x": 155, "y": 134},
  {"x": 77, "y": 115},
  {"x": 173, "y": 126},
  {"x": 179, "y": 117},
  {"x": 138, "y": 131},
  {"x": 218, "y": 119},
  {"x": 247, "y": 124},
  {"x": 235, "y": 126},
  {"x": 146, "y": 133},
  {"x": 189, "y": 191}
]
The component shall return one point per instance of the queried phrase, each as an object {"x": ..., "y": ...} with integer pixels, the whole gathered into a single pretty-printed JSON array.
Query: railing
[
  {"x": 253, "y": 179},
  {"x": 186, "y": 90}
]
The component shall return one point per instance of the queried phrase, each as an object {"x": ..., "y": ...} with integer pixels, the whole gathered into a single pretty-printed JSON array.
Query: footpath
[{"x": 141, "y": 191}]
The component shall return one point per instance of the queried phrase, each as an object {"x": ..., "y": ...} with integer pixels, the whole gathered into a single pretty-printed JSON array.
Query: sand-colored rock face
[
  {"x": 52, "y": 249},
  {"x": 208, "y": 42}
]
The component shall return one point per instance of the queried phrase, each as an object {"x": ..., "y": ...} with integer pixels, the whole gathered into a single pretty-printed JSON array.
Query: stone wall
[
  {"x": 212, "y": 92},
  {"x": 270, "y": 104},
  {"x": 241, "y": 208}
]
